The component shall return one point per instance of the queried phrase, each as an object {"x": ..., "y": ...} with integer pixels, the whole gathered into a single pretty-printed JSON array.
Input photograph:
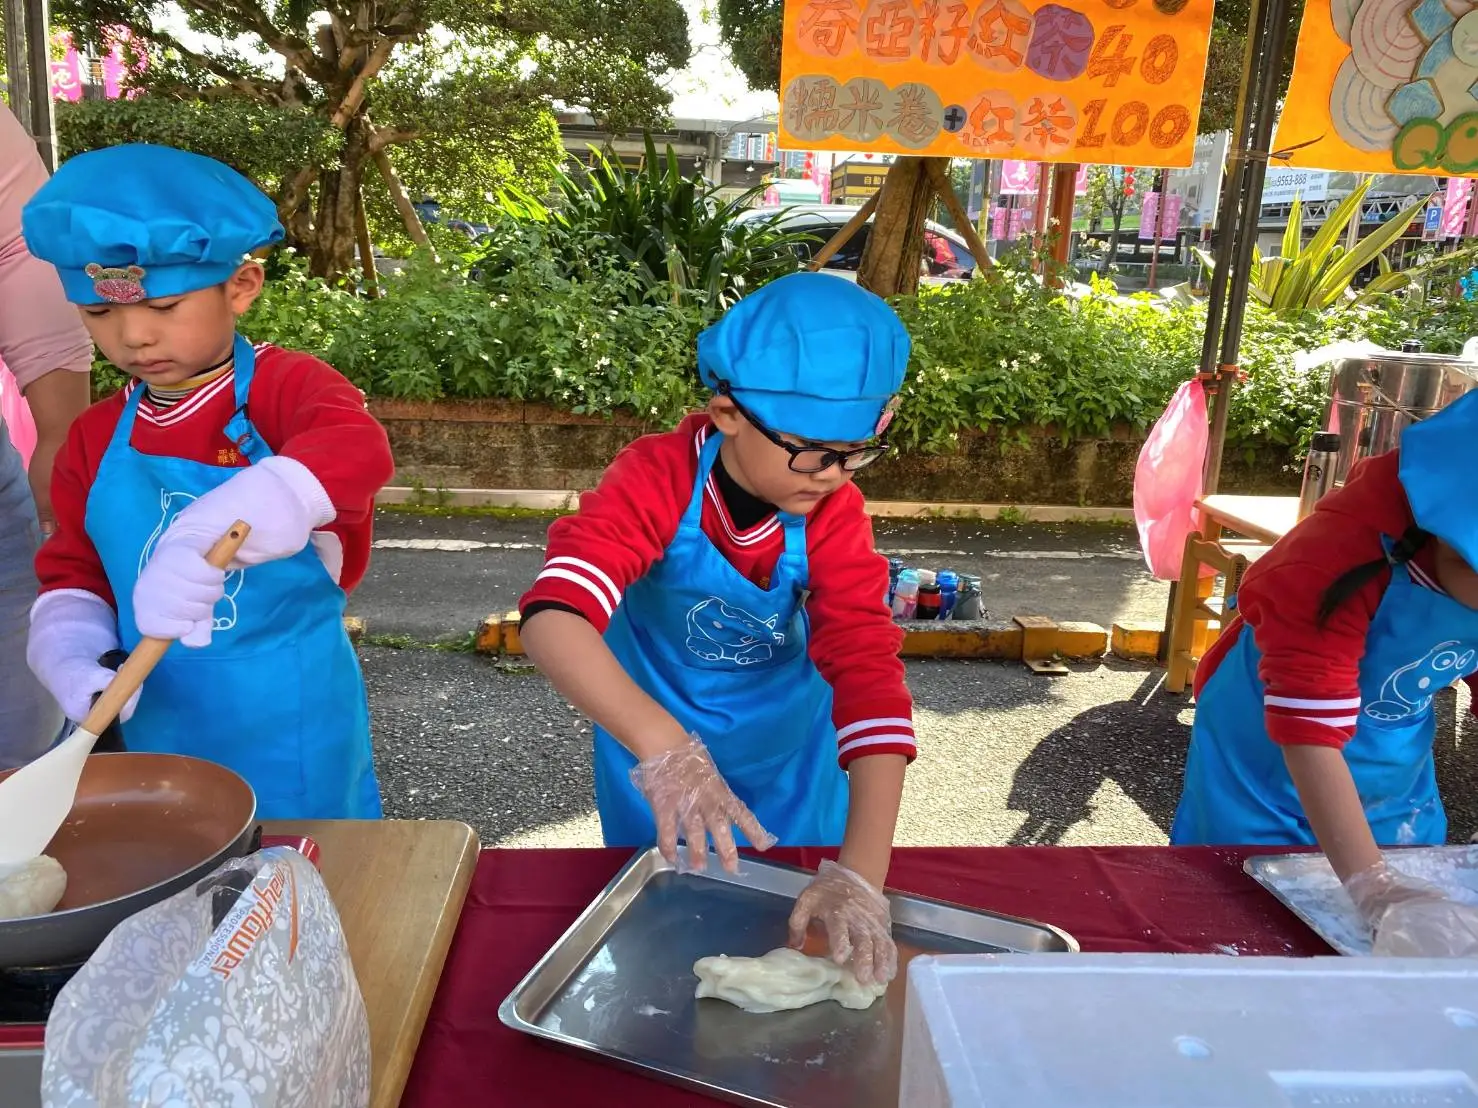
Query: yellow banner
[
  {"x": 1113, "y": 81},
  {"x": 1384, "y": 86}
]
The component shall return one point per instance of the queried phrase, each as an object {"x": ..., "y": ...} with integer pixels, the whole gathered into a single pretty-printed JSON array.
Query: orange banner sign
[
  {"x": 1384, "y": 86},
  {"x": 1113, "y": 81}
]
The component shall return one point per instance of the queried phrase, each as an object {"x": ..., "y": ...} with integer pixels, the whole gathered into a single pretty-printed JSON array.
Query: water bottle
[
  {"x": 906, "y": 595},
  {"x": 895, "y": 567},
  {"x": 928, "y": 604},
  {"x": 949, "y": 585},
  {"x": 967, "y": 603},
  {"x": 1318, "y": 471}
]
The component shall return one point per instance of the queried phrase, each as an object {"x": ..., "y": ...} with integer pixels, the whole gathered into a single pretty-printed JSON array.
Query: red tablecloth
[{"x": 1186, "y": 900}]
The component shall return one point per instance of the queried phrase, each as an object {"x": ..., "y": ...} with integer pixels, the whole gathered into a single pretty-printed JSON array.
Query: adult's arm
[{"x": 42, "y": 339}]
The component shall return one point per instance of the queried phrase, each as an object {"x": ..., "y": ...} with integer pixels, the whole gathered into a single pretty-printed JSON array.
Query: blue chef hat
[
  {"x": 1434, "y": 470},
  {"x": 126, "y": 223},
  {"x": 810, "y": 354}
]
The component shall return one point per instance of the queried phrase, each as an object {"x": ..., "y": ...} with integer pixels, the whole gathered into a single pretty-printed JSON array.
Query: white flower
[
  {"x": 558, "y": 372},
  {"x": 1003, "y": 363},
  {"x": 1034, "y": 357},
  {"x": 1015, "y": 364}
]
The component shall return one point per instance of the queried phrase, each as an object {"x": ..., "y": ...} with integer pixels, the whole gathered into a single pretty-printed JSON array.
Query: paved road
[{"x": 1005, "y": 756}]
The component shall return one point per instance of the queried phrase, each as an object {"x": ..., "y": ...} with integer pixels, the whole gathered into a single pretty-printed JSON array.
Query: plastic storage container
[{"x": 1188, "y": 1031}]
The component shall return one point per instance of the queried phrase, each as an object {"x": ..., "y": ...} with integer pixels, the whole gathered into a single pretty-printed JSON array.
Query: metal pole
[
  {"x": 1162, "y": 178},
  {"x": 1238, "y": 214}
]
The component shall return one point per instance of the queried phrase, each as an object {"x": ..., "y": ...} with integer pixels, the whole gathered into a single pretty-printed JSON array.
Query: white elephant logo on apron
[
  {"x": 717, "y": 632},
  {"x": 171, "y": 505},
  {"x": 1410, "y": 689}
]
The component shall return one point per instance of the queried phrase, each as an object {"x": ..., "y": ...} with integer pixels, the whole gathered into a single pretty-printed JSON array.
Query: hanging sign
[
  {"x": 1384, "y": 86},
  {"x": 1109, "y": 81}
]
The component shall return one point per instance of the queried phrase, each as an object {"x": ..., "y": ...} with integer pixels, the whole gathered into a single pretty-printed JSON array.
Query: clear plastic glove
[
  {"x": 857, "y": 918},
  {"x": 1380, "y": 888},
  {"x": 70, "y": 630},
  {"x": 175, "y": 597},
  {"x": 279, "y": 497},
  {"x": 1428, "y": 929},
  {"x": 688, "y": 794}
]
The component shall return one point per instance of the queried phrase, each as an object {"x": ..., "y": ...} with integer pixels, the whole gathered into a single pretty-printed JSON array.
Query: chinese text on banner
[{"x": 1112, "y": 81}]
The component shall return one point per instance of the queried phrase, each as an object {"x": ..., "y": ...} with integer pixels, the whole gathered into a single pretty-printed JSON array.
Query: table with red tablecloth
[{"x": 1136, "y": 899}]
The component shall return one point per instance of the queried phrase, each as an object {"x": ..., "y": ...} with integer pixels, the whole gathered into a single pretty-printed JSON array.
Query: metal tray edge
[{"x": 1256, "y": 867}]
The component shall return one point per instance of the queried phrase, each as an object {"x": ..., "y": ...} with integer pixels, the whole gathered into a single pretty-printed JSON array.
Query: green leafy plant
[
  {"x": 1318, "y": 275},
  {"x": 674, "y": 233}
]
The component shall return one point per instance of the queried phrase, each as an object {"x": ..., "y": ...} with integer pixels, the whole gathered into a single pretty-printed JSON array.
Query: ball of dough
[
  {"x": 781, "y": 980},
  {"x": 32, "y": 889}
]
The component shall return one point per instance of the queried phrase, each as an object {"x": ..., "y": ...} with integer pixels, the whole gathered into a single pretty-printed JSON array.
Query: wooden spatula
[{"x": 35, "y": 800}]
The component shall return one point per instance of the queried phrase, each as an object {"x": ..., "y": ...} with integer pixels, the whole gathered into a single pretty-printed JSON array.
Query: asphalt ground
[{"x": 1005, "y": 756}]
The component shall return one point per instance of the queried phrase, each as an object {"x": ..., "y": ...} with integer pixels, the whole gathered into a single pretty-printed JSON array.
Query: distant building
[{"x": 737, "y": 155}]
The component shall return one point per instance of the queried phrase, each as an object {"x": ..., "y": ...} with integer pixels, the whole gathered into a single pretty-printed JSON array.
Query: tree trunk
[
  {"x": 1111, "y": 254},
  {"x": 402, "y": 202},
  {"x": 331, "y": 251},
  {"x": 895, "y": 245}
]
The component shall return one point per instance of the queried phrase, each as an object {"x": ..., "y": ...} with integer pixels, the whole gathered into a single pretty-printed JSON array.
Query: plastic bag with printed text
[
  {"x": 238, "y": 991},
  {"x": 1167, "y": 480}
]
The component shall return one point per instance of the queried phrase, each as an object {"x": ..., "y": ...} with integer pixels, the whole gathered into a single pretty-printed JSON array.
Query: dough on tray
[
  {"x": 781, "y": 980},
  {"x": 31, "y": 889}
]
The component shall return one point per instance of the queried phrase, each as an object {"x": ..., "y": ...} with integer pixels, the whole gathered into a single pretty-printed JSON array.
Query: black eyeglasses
[{"x": 810, "y": 459}]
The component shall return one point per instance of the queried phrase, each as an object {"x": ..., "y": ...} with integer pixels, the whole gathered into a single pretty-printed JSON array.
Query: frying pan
[{"x": 144, "y": 827}]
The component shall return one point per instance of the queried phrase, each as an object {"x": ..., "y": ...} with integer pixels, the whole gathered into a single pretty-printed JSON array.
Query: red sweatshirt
[
  {"x": 303, "y": 408},
  {"x": 625, "y": 524},
  {"x": 1311, "y": 674}
]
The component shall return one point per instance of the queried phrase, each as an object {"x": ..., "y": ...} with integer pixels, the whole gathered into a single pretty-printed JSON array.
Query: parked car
[{"x": 945, "y": 255}]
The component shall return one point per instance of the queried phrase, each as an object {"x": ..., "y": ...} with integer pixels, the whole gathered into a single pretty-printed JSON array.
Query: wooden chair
[{"x": 1191, "y": 633}]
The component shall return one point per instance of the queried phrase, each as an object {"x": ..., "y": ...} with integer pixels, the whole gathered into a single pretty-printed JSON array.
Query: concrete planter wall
[{"x": 495, "y": 444}]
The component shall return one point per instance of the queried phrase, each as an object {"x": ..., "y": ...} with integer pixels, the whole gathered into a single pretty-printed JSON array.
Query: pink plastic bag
[
  {"x": 1167, "y": 480},
  {"x": 15, "y": 413}
]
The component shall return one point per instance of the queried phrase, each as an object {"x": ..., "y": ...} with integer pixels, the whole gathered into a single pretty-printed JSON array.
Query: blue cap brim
[{"x": 814, "y": 418}]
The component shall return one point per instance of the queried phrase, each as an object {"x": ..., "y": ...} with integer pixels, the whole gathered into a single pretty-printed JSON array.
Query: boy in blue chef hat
[
  {"x": 1314, "y": 712},
  {"x": 716, "y": 607},
  {"x": 152, "y": 245}
]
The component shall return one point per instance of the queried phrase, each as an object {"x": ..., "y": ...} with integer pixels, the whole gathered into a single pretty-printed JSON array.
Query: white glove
[
  {"x": 279, "y": 497},
  {"x": 175, "y": 597},
  {"x": 70, "y": 630}
]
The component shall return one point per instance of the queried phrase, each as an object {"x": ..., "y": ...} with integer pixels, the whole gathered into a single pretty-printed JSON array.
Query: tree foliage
[{"x": 434, "y": 96}]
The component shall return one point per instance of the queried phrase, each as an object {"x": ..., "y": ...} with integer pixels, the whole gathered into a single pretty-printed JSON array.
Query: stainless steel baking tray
[
  {"x": 620, "y": 983},
  {"x": 1307, "y": 887}
]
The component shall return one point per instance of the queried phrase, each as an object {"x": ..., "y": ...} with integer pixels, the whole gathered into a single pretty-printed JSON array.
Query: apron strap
[
  {"x": 239, "y": 428},
  {"x": 123, "y": 429},
  {"x": 693, "y": 514}
]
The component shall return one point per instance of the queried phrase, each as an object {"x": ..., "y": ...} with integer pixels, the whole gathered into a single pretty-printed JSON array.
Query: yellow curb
[
  {"x": 512, "y": 641},
  {"x": 1080, "y": 642},
  {"x": 963, "y": 639},
  {"x": 489, "y": 638},
  {"x": 354, "y": 628},
  {"x": 1137, "y": 642},
  {"x": 981, "y": 639}
]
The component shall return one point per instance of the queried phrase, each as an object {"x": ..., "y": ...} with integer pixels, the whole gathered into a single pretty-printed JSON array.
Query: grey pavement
[{"x": 1005, "y": 756}]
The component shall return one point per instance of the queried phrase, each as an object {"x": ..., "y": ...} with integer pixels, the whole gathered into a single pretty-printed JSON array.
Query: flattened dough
[
  {"x": 780, "y": 981},
  {"x": 32, "y": 889}
]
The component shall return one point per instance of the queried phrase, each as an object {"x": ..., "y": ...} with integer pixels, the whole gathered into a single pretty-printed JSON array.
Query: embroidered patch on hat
[
  {"x": 118, "y": 285},
  {"x": 889, "y": 411}
]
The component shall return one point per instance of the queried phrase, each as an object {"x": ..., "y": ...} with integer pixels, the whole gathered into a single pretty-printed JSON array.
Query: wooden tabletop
[
  {"x": 1265, "y": 518},
  {"x": 399, "y": 887}
]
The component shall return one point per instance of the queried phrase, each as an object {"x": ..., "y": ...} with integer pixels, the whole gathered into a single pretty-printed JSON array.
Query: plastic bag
[
  {"x": 1167, "y": 480},
  {"x": 15, "y": 413},
  {"x": 237, "y": 992}
]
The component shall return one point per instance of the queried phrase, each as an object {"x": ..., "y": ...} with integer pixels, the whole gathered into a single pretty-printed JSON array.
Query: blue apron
[
  {"x": 1237, "y": 787},
  {"x": 277, "y": 696},
  {"x": 728, "y": 659}
]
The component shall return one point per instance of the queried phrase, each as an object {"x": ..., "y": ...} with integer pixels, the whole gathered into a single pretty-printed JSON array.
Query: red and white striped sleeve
[
  {"x": 622, "y": 527},
  {"x": 854, "y": 641}
]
